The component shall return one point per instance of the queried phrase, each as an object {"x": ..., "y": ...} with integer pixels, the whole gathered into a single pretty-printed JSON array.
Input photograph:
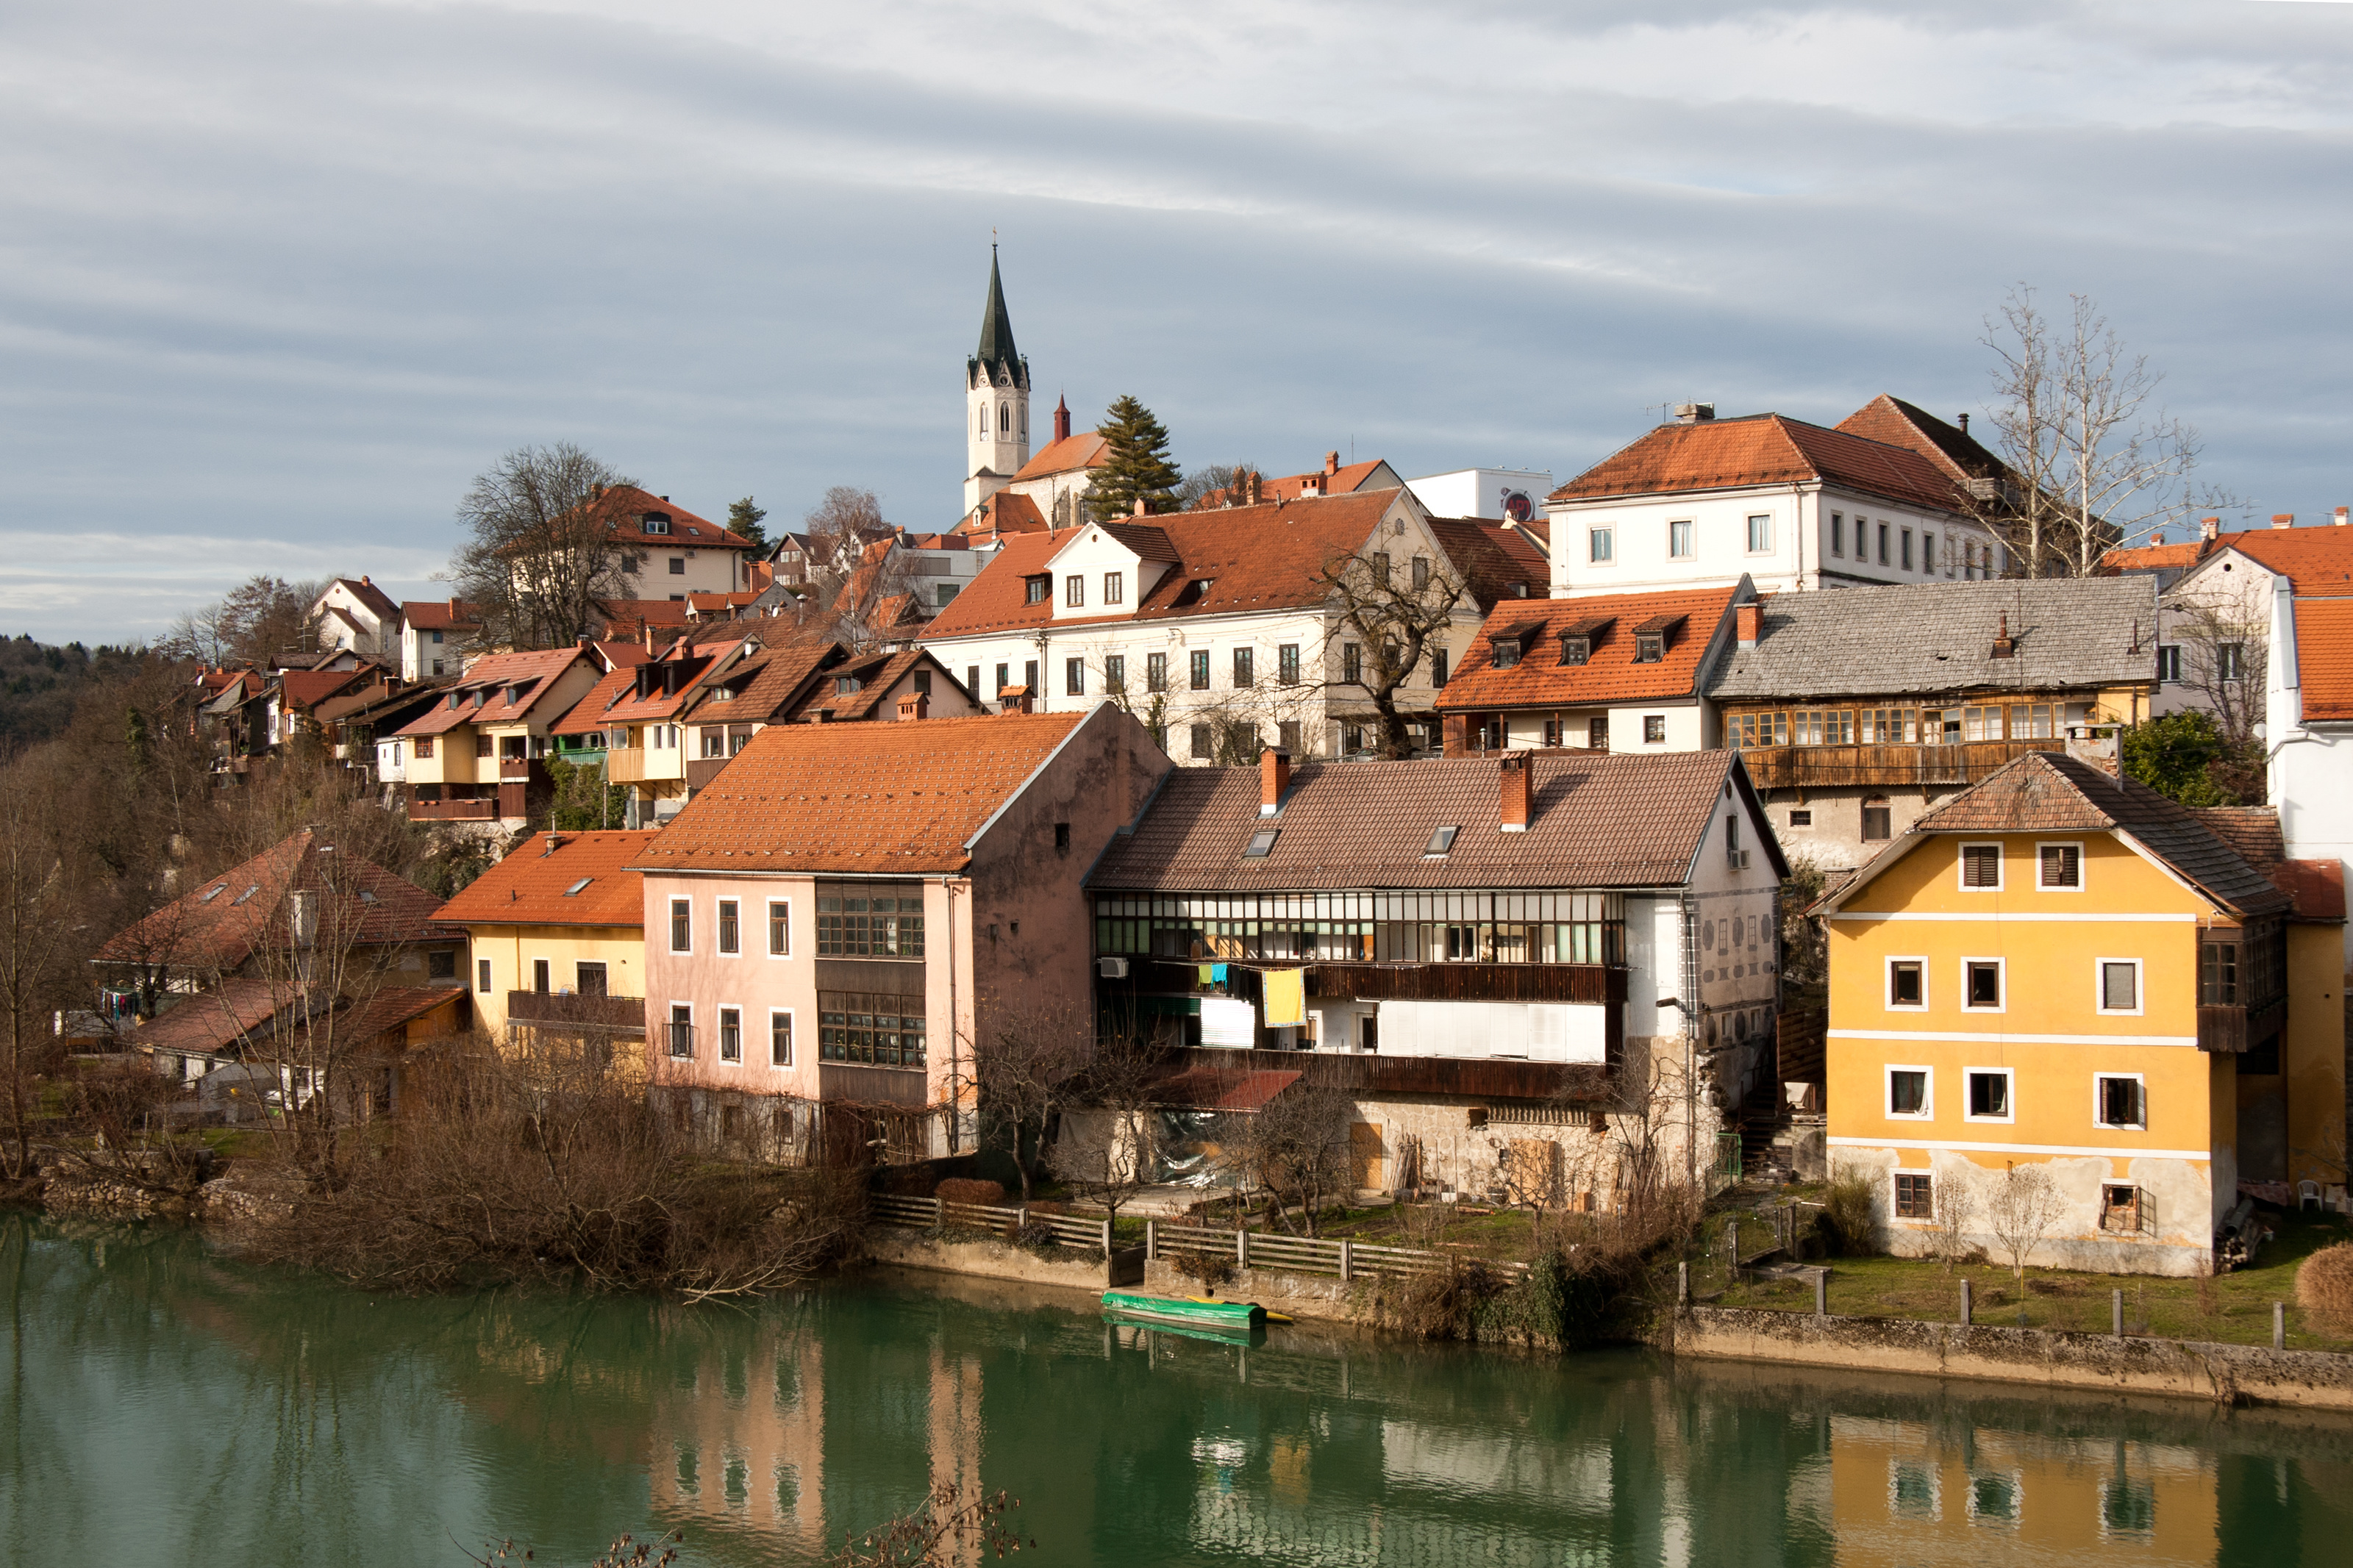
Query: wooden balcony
[
  {"x": 1490, "y": 1078},
  {"x": 1591, "y": 983},
  {"x": 484, "y": 808},
  {"x": 863, "y": 1085},
  {"x": 1884, "y": 767},
  {"x": 571, "y": 1010},
  {"x": 624, "y": 764},
  {"x": 700, "y": 770}
]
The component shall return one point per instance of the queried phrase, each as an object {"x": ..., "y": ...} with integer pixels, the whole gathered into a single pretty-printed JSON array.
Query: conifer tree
[
  {"x": 1138, "y": 465},
  {"x": 743, "y": 517}
]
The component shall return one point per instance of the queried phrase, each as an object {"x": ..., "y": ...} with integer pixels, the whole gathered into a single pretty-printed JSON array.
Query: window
[
  {"x": 780, "y": 928},
  {"x": 539, "y": 976},
  {"x": 1035, "y": 589},
  {"x": 1981, "y": 985},
  {"x": 1989, "y": 1095},
  {"x": 681, "y": 925},
  {"x": 1981, "y": 722},
  {"x": 1504, "y": 653},
  {"x": 731, "y": 939},
  {"x": 1381, "y": 568},
  {"x": 1074, "y": 677},
  {"x": 1004, "y": 676},
  {"x": 944, "y": 594},
  {"x": 731, "y": 1035},
  {"x": 1801, "y": 817},
  {"x": 1030, "y": 676},
  {"x": 1907, "y": 1092},
  {"x": 1200, "y": 669},
  {"x": 1654, "y": 729},
  {"x": 1907, "y": 550},
  {"x": 1421, "y": 572},
  {"x": 1760, "y": 533},
  {"x": 482, "y": 975},
  {"x": 714, "y": 743},
  {"x": 2120, "y": 1208},
  {"x": 2034, "y": 721},
  {"x": 1758, "y": 730},
  {"x": 881, "y": 1031},
  {"x": 1114, "y": 588},
  {"x": 1203, "y": 749},
  {"x": 655, "y": 523},
  {"x": 1890, "y": 726},
  {"x": 1245, "y": 669},
  {"x": 1061, "y": 838},
  {"x": 1981, "y": 866},
  {"x": 1907, "y": 983},
  {"x": 436, "y": 637},
  {"x": 1262, "y": 844},
  {"x": 1437, "y": 667},
  {"x": 681, "y": 1030},
  {"x": 1838, "y": 533},
  {"x": 2119, "y": 986},
  {"x": 2230, "y": 661},
  {"x": 484, "y": 746},
  {"x": 2060, "y": 867},
  {"x": 972, "y": 679},
  {"x": 590, "y": 979},
  {"x": 855, "y": 921},
  {"x": 1286, "y": 664},
  {"x": 2120, "y": 1099},
  {"x": 1155, "y": 672},
  {"x": 780, "y": 1039},
  {"x": 1914, "y": 1198},
  {"x": 1597, "y": 734},
  {"x": 1575, "y": 649},
  {"x": 1649, "y": 647},
  {"x": 1114, "y": 672},
  {"x": 2217, "y": 973},
  {"x": 1352, "y": 663},
  {"x": 1928, "y": 553},
  {"x": 1287, "y": 733},
  {"x": 1441, "y": 841},
  {"x": 1599, "y": 546},
  {"x": 1075, "y": 591},
  {"x": 2168, "y": 663},
  {"x": 1882, "y": 541},
  {"x": 1680, "y": 546}
]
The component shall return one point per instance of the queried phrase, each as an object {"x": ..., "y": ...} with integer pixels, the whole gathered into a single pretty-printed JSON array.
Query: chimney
[
  {"x": 1331, "y": 462},
  {"x": 1013, "y": 699},
  {"x": 453, "y": 609},
  {"x": 1747, "y": 620},
  {"x": 1514, "y": 808},
  {"x": 1139, "y": 506},
  {"x": 649, "y": 630},
  {"x": 2339, "y": 519},
  {"x": 367, "y": 580},
  {"x": 1063, "y": 420},
  {"x": 1694, "y": 412},
  {"x": 2157, "y": 537},
  {"x": 554, "y": 841},
  {"x": 2282, "y": 520},
  {"x": 1965, "y": 423},
  {"x": 1274, "y": 779},
  {"x": 2003, "y": 647},
  {"x": 915, "y": 705},
  {"x": 2209, "y": 529},
  {"x": 1250, "y": 486}
]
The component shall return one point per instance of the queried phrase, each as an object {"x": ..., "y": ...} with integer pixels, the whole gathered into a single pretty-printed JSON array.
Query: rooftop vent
[{"x": 1694, "y": 412}]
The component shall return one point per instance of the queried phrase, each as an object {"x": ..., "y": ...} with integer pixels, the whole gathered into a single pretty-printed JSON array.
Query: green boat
[{"x": 1227, "y": 1315}]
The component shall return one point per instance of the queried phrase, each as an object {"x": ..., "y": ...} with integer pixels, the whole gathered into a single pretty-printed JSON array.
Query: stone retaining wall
[
  {"x": 997, "y": 1259},
  {"x": 2228, "y": 1374}
]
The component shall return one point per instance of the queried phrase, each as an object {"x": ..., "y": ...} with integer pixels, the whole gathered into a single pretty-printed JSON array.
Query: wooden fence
[{"x": 1346, "y": 1259}]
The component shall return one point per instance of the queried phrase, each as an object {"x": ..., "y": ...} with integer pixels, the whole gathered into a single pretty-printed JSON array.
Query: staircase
[{"x": 1761, "y": 1117}]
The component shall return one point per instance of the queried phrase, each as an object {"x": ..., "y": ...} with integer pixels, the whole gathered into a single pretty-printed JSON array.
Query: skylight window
[
  {"x": 366, "y": 897},
  {"x": 1262, "y": 843},
  {"x": 214, "y": 892},
  {"x": 1442, "y": 842},
  {"x": 573, "y": 891},
  {"x": 247, "y": 894}
]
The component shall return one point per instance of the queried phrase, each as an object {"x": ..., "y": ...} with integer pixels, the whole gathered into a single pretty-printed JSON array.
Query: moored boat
[{"x": 1195, "y": 1313}]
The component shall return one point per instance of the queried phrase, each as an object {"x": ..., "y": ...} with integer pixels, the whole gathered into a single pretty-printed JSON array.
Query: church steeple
[{"x": 997, "y": 400}]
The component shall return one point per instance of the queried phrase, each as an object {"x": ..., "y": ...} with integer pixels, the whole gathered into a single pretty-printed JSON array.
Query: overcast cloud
[{"x": 277, "y": 279}]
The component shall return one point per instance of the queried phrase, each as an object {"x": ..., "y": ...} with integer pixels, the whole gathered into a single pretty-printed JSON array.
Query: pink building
[{"x": 845, "y": 909}]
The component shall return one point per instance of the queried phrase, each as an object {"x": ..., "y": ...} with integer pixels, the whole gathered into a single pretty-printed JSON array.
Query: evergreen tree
[
  {"x": 1138, "y": 465},
  {"x": 743, "y": 517}
]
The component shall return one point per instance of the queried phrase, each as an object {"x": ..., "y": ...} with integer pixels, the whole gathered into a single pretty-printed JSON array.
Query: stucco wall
[{"x": 511, "y": 950}]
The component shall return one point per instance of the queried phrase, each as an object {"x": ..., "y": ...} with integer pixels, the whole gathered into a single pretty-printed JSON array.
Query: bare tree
[
  {"x": 1955, "y": 1210},
  {"x": 1022, "y": 1067},
  {"x": 2021, "y": 1210},
  {"x": 1110, "y": 1123},
  {"x": 259, "y": 621},
  {"x": 1387, "y": 617},
  {"x": 39, "y": 960},
  {"x": 1202, "y": 483},
  {"x": 2225, "y": 661},
  {"x": 541, "y": 550},
  {"x": 1295, "y": 1146}
]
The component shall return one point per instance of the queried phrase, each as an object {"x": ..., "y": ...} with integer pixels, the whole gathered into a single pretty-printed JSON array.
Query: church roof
[
  {"x": 996, "y": 351},
  {"x": 1087, "y": 449}
]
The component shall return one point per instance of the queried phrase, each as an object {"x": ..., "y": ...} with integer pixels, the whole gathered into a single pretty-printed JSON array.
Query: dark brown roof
[
  {"x": 1895, "y": 423},
  {"x": 1763, "y": 449},
  {"x": 765, "y": 684},
  {"x": 220, "y": 922},
  {"x": 1498, "y": 564},
  {"x": 2252, "y": 830},
  {"x": 1599, "y": 821}
]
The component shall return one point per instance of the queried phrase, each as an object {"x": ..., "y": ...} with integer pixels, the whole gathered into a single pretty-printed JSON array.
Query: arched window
[
  {"x": 1004, "y": 417},
  {"x": 984, "y": 419}
]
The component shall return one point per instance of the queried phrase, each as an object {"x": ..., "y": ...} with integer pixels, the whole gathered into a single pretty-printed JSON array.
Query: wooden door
[{"x": 1366, "y": 1168}]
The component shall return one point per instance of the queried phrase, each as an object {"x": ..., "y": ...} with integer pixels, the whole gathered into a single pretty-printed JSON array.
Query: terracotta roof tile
[
  {"x": 1599, "y": 821},
  {"x": 441, "y": 614},
  {"x": 626, "y": 506},
  {"x": 1895, "y": 423},
  {"x": 2318, "y": 560},
  {"x": 2316, "y": 887},
  {"x": 1497, "y": 564},
  {"x": 871, "y": 799},
  {"x": 219, "y": 924},
  {"x": 493, "y": 676},
  {"x": 1610, "y": 674},
  {"x": 2156, "y": 557},
  {"x": 532, "y": 885},
  {"x": 307, "y": 688},
  {"x": 2324, "y": 657},
  {"x": 614, "y": 699},
  {"x": 1080, "y": 449},
  {"x": 876, "y": 674},
  {"x": 1762, "y": 450},
  {"x": 2252, "y": 831},
  {"x": 215, "y": 1018},
  {"x": 766, "y": 685}
]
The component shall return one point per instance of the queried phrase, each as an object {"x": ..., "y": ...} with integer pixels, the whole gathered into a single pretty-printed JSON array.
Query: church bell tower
[{"x": 996, "y": 401}]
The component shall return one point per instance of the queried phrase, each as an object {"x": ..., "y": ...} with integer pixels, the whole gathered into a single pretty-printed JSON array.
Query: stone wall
[{"x": 1076, "y": 1270}]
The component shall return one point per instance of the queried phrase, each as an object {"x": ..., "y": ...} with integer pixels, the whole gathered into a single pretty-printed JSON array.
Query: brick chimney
[
  {"x": 1331, "y": 462},
  {"x": 1515, "y": 806},
  {"x": 915, "y": 705},
  {"x": 2003, "y": 647},
  {"x": 649, "y": 630},
  {"x": 2282, "y": 520},
  {"x": 1273, "y": 780},
  {"x": 1139, "y": 506},
  {"x": 1747, "y": 620},
  {"x": 2209, "y": 529}
]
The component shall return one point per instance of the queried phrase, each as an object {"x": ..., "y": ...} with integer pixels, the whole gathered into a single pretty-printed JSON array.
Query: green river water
[{"x": 164, "y": 1406}]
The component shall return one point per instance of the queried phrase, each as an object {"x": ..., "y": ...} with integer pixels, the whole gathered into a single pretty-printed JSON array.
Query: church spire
[{"x": 996, "y": 351}]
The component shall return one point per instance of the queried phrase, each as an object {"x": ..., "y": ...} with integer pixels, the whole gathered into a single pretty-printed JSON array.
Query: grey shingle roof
[
  {"x": 1599, "y": 821},
  {"x": 1932, "y": 638}
]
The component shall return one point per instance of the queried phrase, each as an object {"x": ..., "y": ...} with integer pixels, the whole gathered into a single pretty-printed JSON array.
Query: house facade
[
  {"x": 1786, "y": 504},
  {"x": 1557, "y": 962},
  {"x": 353, "y": 615},
  {"x": 436, "y": 638},
  {"x": 478, "y": 754},
  {"x": 2066, "y": 971},
  {"x": 631, "y": 718},
  {"x": 846, "y": 909}
]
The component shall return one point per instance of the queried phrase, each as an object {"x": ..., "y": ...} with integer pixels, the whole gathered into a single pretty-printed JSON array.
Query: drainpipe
[
  {"x": 955, "y": 1108},
  {"x": 1690, "y": 987}
]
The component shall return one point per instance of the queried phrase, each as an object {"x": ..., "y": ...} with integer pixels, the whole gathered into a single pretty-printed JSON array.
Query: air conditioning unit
[
  {"x": 1112, "y": 968},
  {"x": 1739, "y": 858}
]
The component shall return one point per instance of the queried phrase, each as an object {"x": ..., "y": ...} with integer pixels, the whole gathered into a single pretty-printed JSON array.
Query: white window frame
[
  {"x": 1961, "y": 865},
  {"x": 1927, "y": 1111},
  {"x": 670, "y": 1016},
  {"x": 718, "y": 928},
  {"x": 2141, "y": 1126},
  {"x": 2100, "y": 989},
  {"x": 2001, "y": 979},
  {"x": 792, "y": 1039},
  {"x": 1751, "y": 533},
  {"x": 774, "y": 905},
  {"x": 1887, "y": 988},
  {"x": 719, "y": 1039},
  {"x": 688, "y": 901},
  {"x": 1690, "y": 539},
  {"x": 1603, "y": 538},
  {"x": 2081, "y": 876},
  {"x": 2009, "y": 1094}
]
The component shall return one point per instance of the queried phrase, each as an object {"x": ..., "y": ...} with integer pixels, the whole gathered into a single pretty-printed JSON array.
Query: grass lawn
[{"x": 2234, "y": 1309}]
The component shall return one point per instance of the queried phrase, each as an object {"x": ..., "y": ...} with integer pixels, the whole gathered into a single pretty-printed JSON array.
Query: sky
[{"x": 277, "y": 279}]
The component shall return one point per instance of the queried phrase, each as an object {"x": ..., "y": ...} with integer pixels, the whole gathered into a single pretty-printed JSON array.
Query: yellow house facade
[{"x": 2062, "y": 970}]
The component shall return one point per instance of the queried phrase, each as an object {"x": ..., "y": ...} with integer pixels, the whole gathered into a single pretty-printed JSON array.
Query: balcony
[
  {"x": 571, "y": 1010},
  {"x": 1371, "y": 1073},
  {"x": 1884, "y": 767},
  {"x": 624, "y": 764},
  {"x": 876, "y": 1086},
  {"x": 1589, "y": 983},
  {"x": 700, "y": 770},
  {"x": 482, "y": 808}
]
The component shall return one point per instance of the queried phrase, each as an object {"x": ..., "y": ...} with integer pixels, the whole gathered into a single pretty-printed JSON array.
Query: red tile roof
[
  {"x": 492, "y": 676},
  {"x": 2157, "y": 557},
  {"x": 876, "y": 674},
  {"x": 626, "y": 506},
  {"x": 1081, "y": 449},
  {"x": 873, "y": 799},
  {"x": 215, "y": 1018},
  {"x": 2324, "y": 657},
  {"x": 1344, "y": 480},
  {"x": 307, "y": 688},
  {"x": 2316, "y": 887},
  {"x": 1498, "y": 564},
  {"x": 532, "y": 885},
  {"x": 1610, "y": 673},
  {"x": 219, "y": 924},
  {"x": 378, "y": 602},
  {"x": 1895, "y": 423},
  {"x": 1007, "y": 512},
  {"x": 615, "y": 699},
  {"x": 1250, "y": 558},
  {"x": 1762, "y": 450},
  {"x": 766, "y": 684},
  {"x": 2318, "y": 560},
  {"x": 440, "y": 615}
]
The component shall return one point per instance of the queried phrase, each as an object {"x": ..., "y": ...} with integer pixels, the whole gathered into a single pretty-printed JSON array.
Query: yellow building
[
  {"x": 2063, "y": 969},
  {"x": 558, "y": 940},
  {"x": 478, "y": 753}
]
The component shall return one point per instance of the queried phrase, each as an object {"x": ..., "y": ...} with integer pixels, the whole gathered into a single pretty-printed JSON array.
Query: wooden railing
[
  {"x": 864, "y": 1085},
  {"x": 1589, "y": 983},
  {"x": 482, "y": 809},
  {"x": 624, "y": 764},
  {"x": 1823, "y": 767},
  {"x": 560, "y": 1009},
  {"x": 1366, "y": 1073}
]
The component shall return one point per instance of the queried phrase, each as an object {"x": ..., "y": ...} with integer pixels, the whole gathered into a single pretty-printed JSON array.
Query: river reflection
[{"x": 164, "y": 1406}]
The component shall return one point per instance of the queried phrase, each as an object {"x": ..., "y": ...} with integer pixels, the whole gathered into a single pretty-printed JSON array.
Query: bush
[
  {"x": 2323, "y": 1286},
  {"x": 974, "y": 1193},
  {"x": 1851, "y": 1216},
  {"x": 1207, "y": 1269}
]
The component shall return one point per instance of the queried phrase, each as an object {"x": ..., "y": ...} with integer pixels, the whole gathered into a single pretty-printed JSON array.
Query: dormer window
[
  {"x": 657, "y": 522},
  {"x": 456, "y": 699},
  {"x": 1037, "y": 589},
  {"x": 1649, "y": 647},
  {"x": 843, "y": 685},
  {"x": 1507, "y": 654},
  {"x": 514, "y": 695},
  {"x": 1575, "y": 649}
]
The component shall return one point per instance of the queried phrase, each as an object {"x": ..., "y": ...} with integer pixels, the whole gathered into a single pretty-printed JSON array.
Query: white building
[
  {"x": 356, "y": 616},
  {"x": 997, "y": 401},
  {"x": 433, "y": 637},
  {"x": 1786, "y": 504},
  {"x": 1499, "y": 495}
]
